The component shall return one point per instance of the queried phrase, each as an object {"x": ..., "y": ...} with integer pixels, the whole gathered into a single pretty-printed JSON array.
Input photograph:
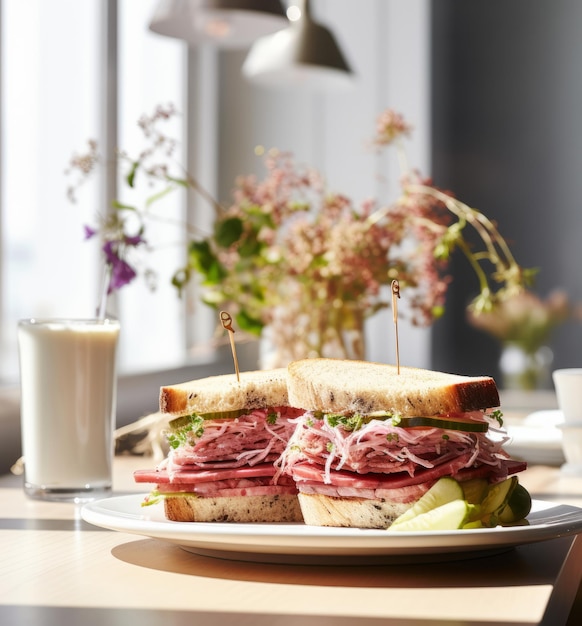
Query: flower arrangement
[
  {"x": 523, "y": 324},
  {"x": 290, "y": 255},
  {"x": 525, "y": 319}
]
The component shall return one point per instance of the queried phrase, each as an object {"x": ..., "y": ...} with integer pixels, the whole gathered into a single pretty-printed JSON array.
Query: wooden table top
[{"x": 56, "y": 568}]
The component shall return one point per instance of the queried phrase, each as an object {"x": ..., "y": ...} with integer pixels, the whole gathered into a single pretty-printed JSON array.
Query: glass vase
[
  {"x": 300, "y": 333},
  {"x": 525, "y": 370}
]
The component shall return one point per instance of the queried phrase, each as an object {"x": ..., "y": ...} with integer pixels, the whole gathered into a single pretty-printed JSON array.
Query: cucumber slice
[
  {"x": 494, "y": 502},
  {"x": 473, "y": 525},
  {"x": 179, "y": 422},
  {"x": 184, "y": 420},
  {"x": 475, "y": 490},
  {"x": 445, "y": 423},
  {"x": 225, "y": 415},
  {"x": 518, "y": 506},
  {"x": 450, "y": 516},
  {"x": 443, "y": 491}
]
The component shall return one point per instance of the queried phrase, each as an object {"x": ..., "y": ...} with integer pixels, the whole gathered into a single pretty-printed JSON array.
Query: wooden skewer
[
  {"x": 395, "y": 295},
  {"x": 226, "y": 321}
]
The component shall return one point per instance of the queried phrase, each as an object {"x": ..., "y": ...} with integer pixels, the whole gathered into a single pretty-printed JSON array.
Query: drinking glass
[{"x": 68, "y": 380}]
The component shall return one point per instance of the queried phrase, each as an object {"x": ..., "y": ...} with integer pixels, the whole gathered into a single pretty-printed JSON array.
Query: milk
[{"x": 68, "y": 384}]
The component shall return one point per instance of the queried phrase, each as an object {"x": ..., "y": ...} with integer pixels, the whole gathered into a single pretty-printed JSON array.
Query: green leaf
[
  {"x": 122, "y": 207},
  {"x": 259, "y": 217},
  {"x": 159, "y": 195},
  {"x": 130, "y": 178},
  {"x": 205, "y": 262},
  {"x": 250, "y": 247},
  {"x": 215, "y": 274},
  {"x": 228, "y": 231},
  {"x": 153, "y": 498},
  {"x": 179, "y": 181},
  {"x": 257, "y": 291},
  {"x": 201, "y": 256},
  {"x": 349, "y": 422},
  {"x": 180, "y": 279},
  {"x": 319, "y": 261},
  {"x": 194, "y": 428},
  {"x": 248, "y": 323}
]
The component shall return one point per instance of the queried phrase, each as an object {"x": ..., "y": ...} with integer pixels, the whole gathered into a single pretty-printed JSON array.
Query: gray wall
[{"x": 507, "y": 138}]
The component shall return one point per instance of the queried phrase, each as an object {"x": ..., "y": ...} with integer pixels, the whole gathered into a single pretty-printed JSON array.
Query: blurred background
[
  {"x": 506, "y": 136},
  {"x": 492, "y": 89}
]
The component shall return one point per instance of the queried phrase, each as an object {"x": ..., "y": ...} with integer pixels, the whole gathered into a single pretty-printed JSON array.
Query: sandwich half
[
  {"x": 224, "y": 436},
  {"x": 372, "y": 441}
]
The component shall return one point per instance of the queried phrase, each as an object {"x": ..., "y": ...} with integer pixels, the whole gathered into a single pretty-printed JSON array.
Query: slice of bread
[
  {"x": 320, "y": 510},
  {"x": 240, "y": 509},
  {"x": 336, "y": 385},
  {"x": 256, "y": 390}
]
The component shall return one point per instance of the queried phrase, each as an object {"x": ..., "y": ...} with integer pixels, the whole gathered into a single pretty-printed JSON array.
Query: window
[
  {"x": 62, "y": 84},
  {"x": 57, "y": 76}
]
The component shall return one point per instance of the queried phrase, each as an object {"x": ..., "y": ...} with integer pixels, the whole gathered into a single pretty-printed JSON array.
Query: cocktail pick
[
  {"x": 226, "y": 321},
  {"x": 395, "y": 286}
]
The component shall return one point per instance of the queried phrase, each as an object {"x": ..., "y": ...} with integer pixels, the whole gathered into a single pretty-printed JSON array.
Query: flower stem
[{"x": 102, "y": 306}]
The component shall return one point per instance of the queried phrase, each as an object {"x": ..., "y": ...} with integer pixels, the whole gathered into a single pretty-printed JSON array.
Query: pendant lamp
[
  {"x": 222, "y": 23},
  {"x": 304, "y": 55}
]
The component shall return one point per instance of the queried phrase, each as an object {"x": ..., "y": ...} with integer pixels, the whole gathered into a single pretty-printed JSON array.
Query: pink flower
[
  {"x": 524, "y": 318},
  {"x": 287, "y": 242},
  {"x": 389, "y": 127}
]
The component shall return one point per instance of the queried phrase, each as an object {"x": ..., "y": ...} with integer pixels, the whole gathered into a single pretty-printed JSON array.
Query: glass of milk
[{"x": 68, "y": 381}]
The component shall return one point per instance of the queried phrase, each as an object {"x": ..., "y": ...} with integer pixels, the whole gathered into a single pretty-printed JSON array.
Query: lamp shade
[
  {"x": 305, "y": 54},
  {"x": 222, "y": 23}
]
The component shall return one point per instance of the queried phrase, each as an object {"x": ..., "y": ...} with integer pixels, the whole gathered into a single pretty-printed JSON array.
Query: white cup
[
  {"x": 568, "y": 384},
  {"x": 68, "y": 381},
  {"x": 572, "y": 446}
]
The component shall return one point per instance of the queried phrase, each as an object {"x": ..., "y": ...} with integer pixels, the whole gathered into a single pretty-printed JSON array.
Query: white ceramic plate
[
  {"x": 298, "y": 543},
  {"x": 537, "y": 439}
]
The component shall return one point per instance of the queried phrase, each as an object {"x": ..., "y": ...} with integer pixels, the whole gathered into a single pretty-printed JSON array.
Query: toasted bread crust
[
  {"x": 336, "y": 385},
  {"x": 239, "y": 509},
  {"x": 256, "y": 390}
]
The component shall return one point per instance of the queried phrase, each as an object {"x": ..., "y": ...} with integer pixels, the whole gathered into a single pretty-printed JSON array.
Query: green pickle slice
[
  {"x": 475, "y": 490},
  {"x": 494, "y": 502},
  {"x": 450, "y": 516},
  {"x": 443, "y": 491},
  {"x": 184, "y": 420},
  {"x": 450, "y": 505},
  {"x": 445, "y": 423},
  {"x": 518, "y": 506}
]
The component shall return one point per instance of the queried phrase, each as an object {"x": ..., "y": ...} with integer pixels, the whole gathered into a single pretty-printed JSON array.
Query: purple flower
[
  {"x": 121, "y": 271},
  {"x": 121, "y": 274},
  {"x": 89, "y": 231},
  {"x": 133, "y": 240}
]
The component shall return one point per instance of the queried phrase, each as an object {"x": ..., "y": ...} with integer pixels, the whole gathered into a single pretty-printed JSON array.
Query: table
[{"x": 57, "y": 569}]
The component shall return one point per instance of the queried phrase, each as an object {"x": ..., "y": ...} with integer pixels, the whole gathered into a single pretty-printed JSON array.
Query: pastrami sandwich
[
  {"x": 372, "y": 441},
  {"x": 224, "y": 437}
]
